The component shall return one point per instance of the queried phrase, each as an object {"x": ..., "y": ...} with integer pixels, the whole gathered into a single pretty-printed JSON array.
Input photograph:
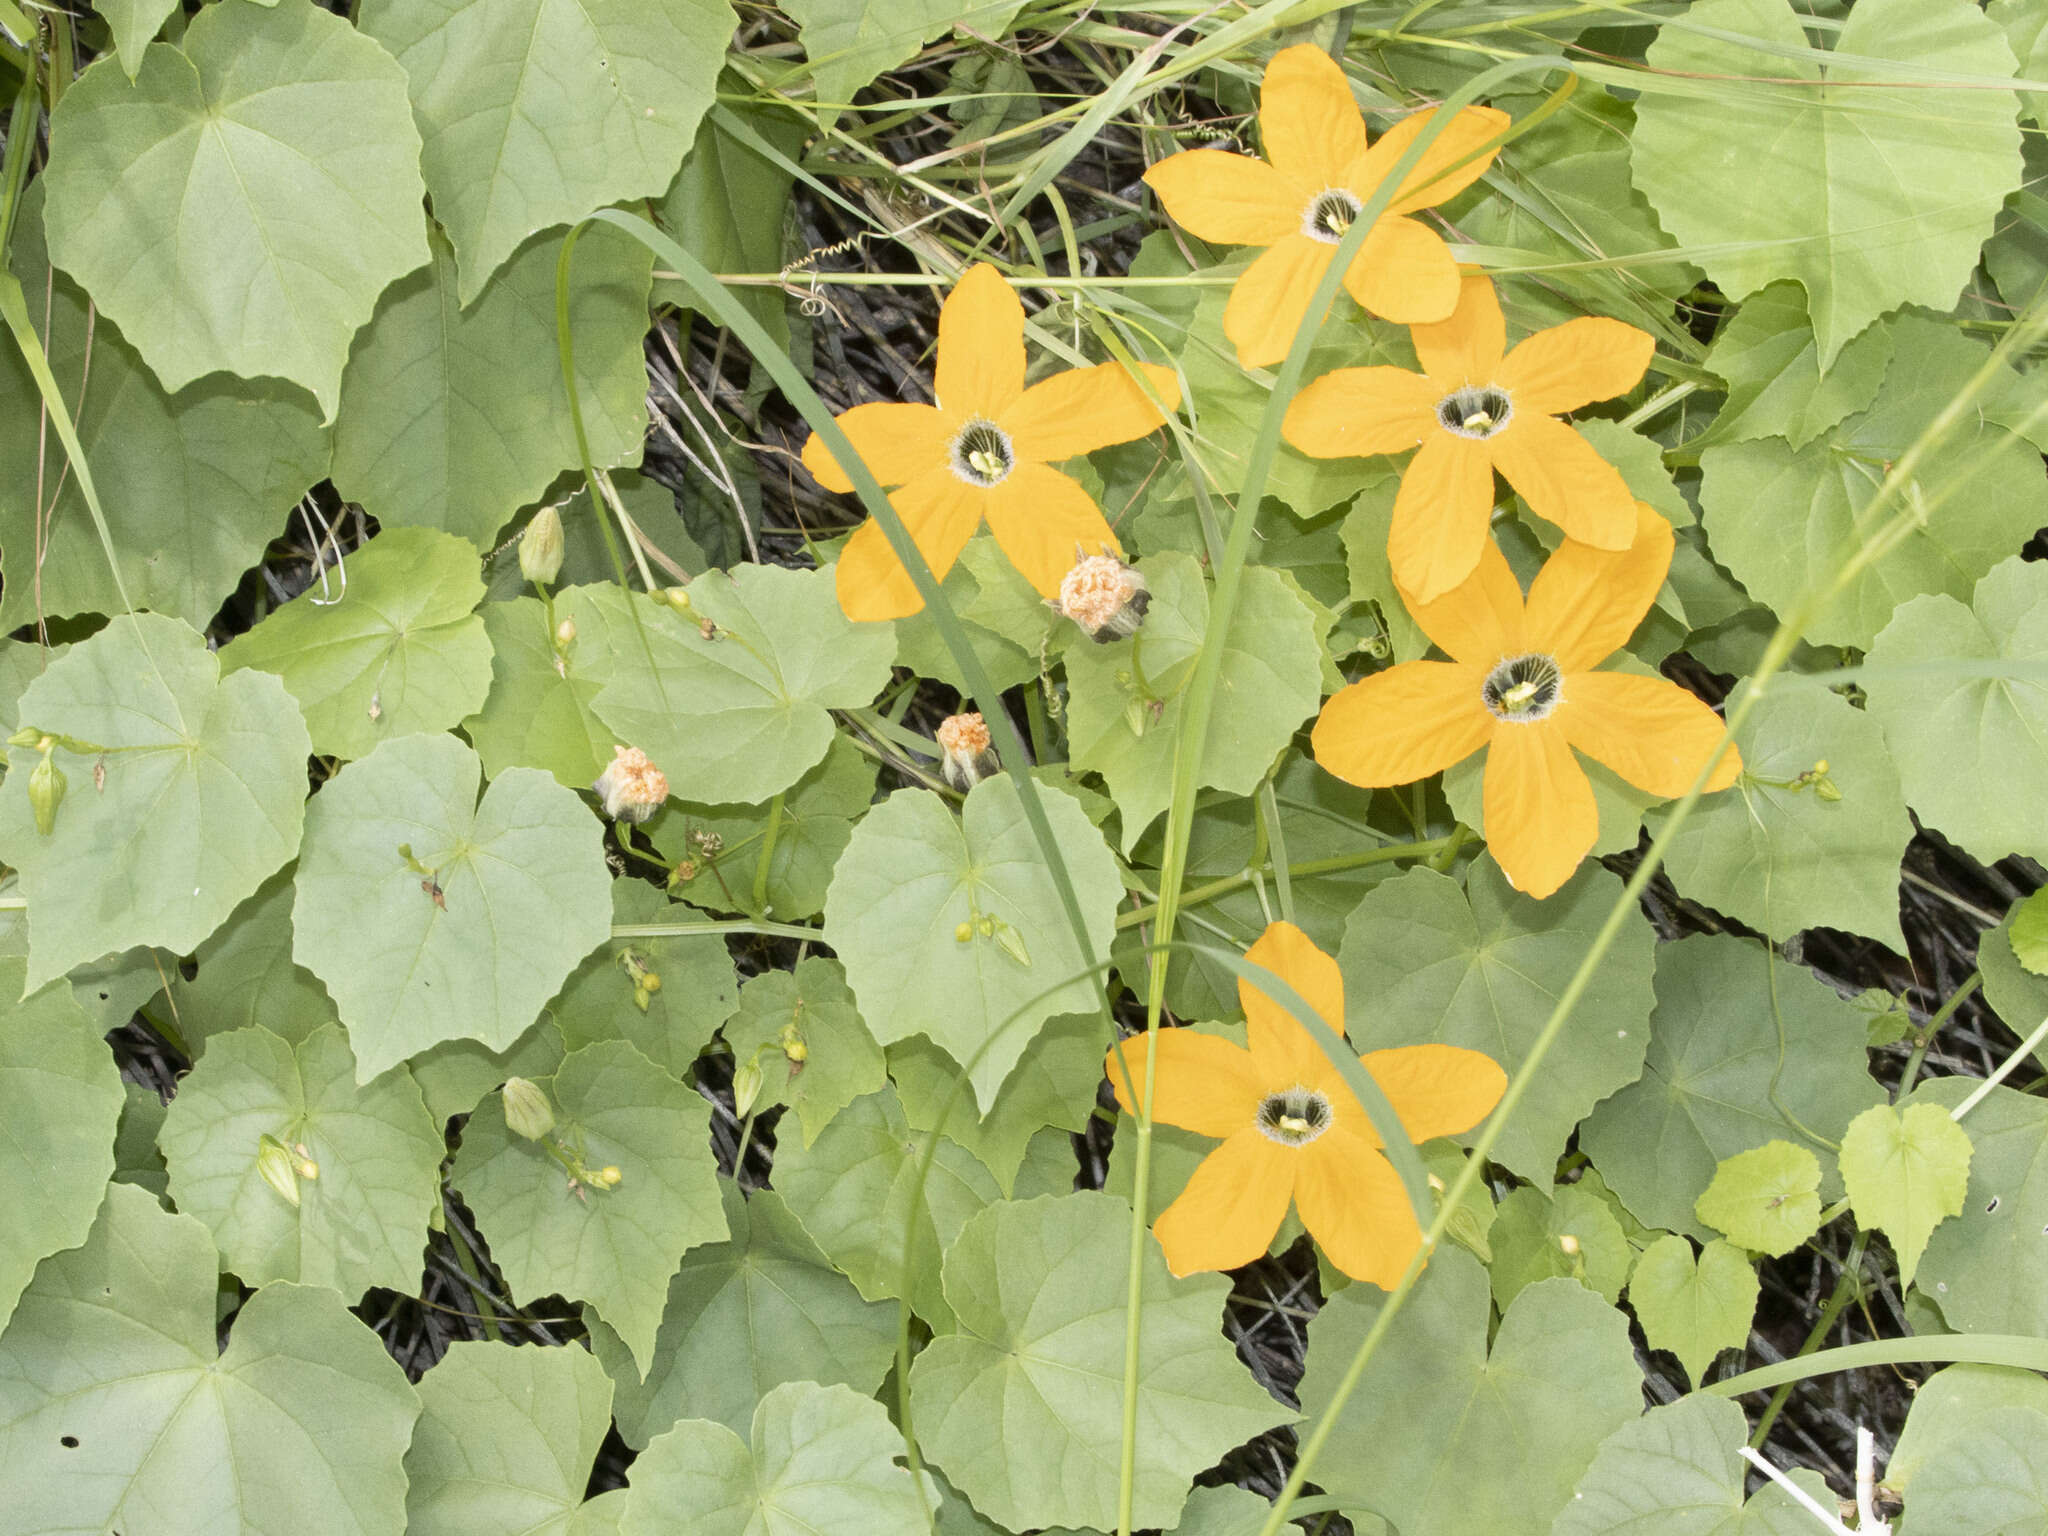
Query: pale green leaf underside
[
  {"x": 1737, "y": 1034},
  {"x": 850, "y": 42},
  {"x": 741, "y": 714},
  {"x": 1033, "y": 1380},
  {"x": 523, "y": 895},
  {"x": 823, "y": 1458},
  {"x": 1678, "y": 1469},
  {"x": 536, "y": 716},
  {"x": 810, "y": 1005},
  {"x": 1482, "y": 968},
  {"x": 1270, "y": 683},
  {"x": 1988, "y": 1266},
  {"x": 1448, "y": 1438},
  {"x": 699, "y": 986},
  {"x": 505, "y": 1440},
  {"x": 296, "y": 1429},
  {"x": 913, "y": 875},
  {"x": 400, "y": 651},
  {"x": 133, "y": 23},
  {"x": 242, "y": 203},
  {"x": 538, "y": 112},
  {"x": 205, "y": 797},
  {"x": 744, "y": 1316},
  {"x": 856, "y": 1192},
  {"x": 60, "y": 1100},
  {"x": 1782, "y": 859},
  {"x": 1785, "y": 521},
  {"x": 1871, "y": 196},
  {"x": 1972, "y": 752},
  {"x": 455, "y": 417},
  {"x": 196, "y": 483},
  {"x": 612, "y": 1248},
  {"x": 362, "y": 1221},
  {"x": 247, "y": 975}
]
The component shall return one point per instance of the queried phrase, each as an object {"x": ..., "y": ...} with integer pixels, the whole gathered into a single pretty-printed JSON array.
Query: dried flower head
[
  {"x": 632, "y": 788},
  {"x": 1104, "y": 596},
  {"x": 968, "y": 756}
]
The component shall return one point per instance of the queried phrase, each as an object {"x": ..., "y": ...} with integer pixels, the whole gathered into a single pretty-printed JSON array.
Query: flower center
[
  {"x": 1475, "y": 412},
  {"x": 1330, "y": 215},
  {"x": 1523, "y": 688},
  {"x": 1294, "y": 1118},
  {"x": 981, "y": 455}
]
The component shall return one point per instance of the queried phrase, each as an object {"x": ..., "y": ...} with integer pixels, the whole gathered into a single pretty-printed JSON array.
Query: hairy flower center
[
  {"x": 1475, "y": 412},
  {"x": 1330, "y": 215},
  {"x": 981, "y": 455},
  {"x": 1294, "y": 1118},
  {"x": 1523, "y": 688}
]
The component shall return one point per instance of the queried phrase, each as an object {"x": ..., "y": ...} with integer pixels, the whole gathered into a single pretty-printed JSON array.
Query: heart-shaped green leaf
[
  {"x": 241, "y": 203},
  {"x": 203, "y": 794},
  {"x": 433, "y": 916}
]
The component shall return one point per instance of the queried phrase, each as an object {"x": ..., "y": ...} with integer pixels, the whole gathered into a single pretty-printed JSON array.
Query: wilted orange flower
[
  {"x": 1292, "y": 1131},
  {"x": 1473, "y": 410},
  {"x": 1520, "y": 684},
  {"x": 967, "y": 754},
  {"x": 983, "y": 452},
  {"x": 1316, "y": 178},
  {"x": 632, "y": 788}
]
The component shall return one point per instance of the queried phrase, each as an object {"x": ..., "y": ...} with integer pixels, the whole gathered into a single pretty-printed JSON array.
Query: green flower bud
[
  {"x": 527, "y": 1112},
  {"x": 746, "y": 1087},
  {"x": 27, "y": 736},
  {"x": 46, "y": 793},
  {"x": 540, "y": 547},
  {"x": 278, "y": 1167}
]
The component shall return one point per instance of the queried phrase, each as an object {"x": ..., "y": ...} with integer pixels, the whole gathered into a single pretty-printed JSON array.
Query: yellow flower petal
[
  {"x": 1441, "y": 514},
  {"x": 1404, "y": 273},
  {"x": 1564, "y": 480},
  {"x": 1576, "y": 363},
  {"x": 1433, "y": 181},
  {"x": 1084, "y": 409},
  {"x": 941, "y": 511},
  {"x": 1437, "y": 1090},
  {"x": 1268, "y": 301},
  {"x": 1038, "y": 515},
  {"x": 981, "y": 345},
  {"x": 1478, "y": 621},
  {"x": 1538, "y": 805},
  {"x": 1586, "y": 602},
  {"x": 1403, "y": 724},
  {"x": 898, "y": 442},
  {"x": 1650, "y": 731},
  {"x": 1202, "y": 1084},
  {"x": 1227, "y": 198},
  {"x": 1356, "y": 411},
  {"x": 1232, "y": 1206},
  {"x": 1308, "y": 120},
  {"x": 1353, "y": 1205},
  {"x": 1283, "y": 1052},
  {"x": 1465, "y": 348}
]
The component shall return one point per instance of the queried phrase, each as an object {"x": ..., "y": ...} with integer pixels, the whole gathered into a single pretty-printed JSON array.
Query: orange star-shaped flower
[
  {"x": 1475, "y": 408},
  {"x": 1521, "y": 684},
  {"x": 1317, "y": 176},
  {"x": 983, "y": 452},
  {"x": 1291, "y": 1130}
]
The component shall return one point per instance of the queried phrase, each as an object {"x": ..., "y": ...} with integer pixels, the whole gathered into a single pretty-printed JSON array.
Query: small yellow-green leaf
[
  {"x": 1766, "y": 1199},
  {"x": 1906, "y": 1172},
  {"x": 1695, "y": 1309}
]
